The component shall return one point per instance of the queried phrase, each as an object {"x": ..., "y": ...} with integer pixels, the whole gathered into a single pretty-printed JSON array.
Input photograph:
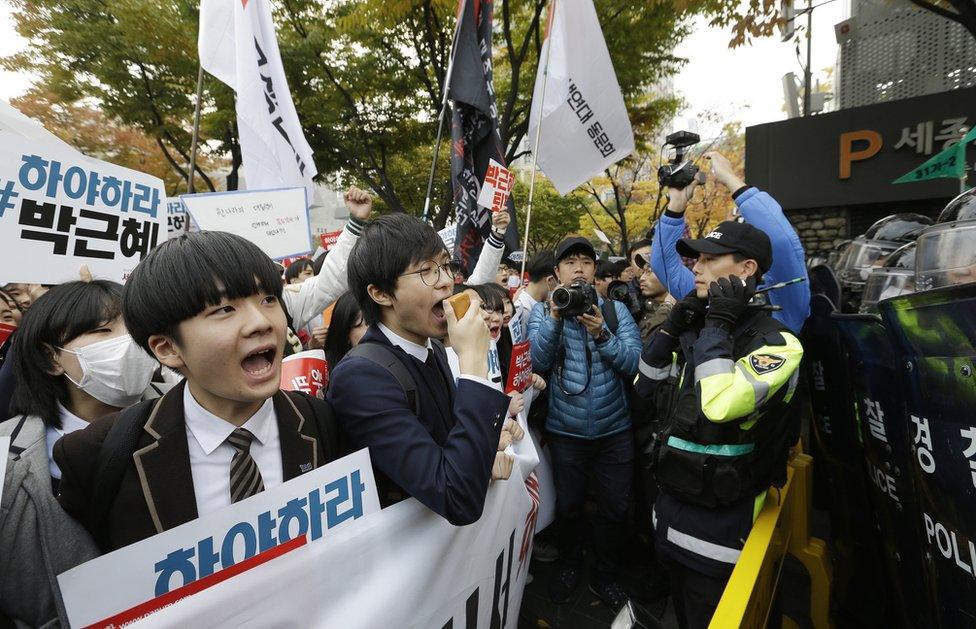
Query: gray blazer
[{"x": 38, "y": 540}]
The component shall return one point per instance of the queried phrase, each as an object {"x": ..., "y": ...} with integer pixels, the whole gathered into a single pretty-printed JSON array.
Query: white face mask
[{"x": 115, "y": 372}]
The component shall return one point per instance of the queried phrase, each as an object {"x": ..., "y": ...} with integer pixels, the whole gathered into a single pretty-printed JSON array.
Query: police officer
[{"x": 728, "y": 438}]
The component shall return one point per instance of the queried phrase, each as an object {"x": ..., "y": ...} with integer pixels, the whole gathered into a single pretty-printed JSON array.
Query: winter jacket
[
  {"x": 763, "y": 212},
  {"x": 38, "y": 540},
  {"x": 488, "y": 262},
  {"x": 600, "y": 408}
]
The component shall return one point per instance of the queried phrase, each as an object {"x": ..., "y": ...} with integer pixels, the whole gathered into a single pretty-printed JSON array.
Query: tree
[
  {"x": 553, "y": 216},
  {"x": 366, "y": 75},
  {"x": 95, "y": 134},
  {"x": 960, "y": 11}
]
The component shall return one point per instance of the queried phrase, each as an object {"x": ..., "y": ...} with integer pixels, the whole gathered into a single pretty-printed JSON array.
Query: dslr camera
[
  {"x": 678, "y": 173},
  {"x": 618, "y": 291},
  {"x": 576, "y": 299}
]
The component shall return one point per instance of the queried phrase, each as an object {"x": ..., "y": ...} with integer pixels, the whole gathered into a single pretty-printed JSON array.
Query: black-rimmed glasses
[{"x": 430, "y": 274}]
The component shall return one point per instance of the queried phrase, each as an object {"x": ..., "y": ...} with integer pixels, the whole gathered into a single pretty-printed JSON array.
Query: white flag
[
  {"x": 238, "y": 45},
  {"x": 585, "y": 127}
]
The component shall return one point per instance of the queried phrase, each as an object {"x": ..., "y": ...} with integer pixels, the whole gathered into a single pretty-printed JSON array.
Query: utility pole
[{"x": 807, "y": 72}]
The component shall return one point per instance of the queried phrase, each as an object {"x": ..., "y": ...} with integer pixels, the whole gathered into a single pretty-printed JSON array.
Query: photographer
[
  {"x": 758, "y": 209},
  {"x": 588, "y": 424}
]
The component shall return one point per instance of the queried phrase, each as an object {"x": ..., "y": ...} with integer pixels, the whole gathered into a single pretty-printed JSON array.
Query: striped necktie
[{"x": 245, "y": 477}]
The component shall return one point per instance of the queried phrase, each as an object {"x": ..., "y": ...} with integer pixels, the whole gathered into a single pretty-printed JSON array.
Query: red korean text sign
[
  {"x": 519, "y": 369},
  {"x": 307, "y": 372},
  {"x": 498, "y": 184}
]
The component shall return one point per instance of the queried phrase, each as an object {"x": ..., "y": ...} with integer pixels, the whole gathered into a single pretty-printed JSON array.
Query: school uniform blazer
[
  {"x": 444, "y": 456},
  {"x": 156, "y": 493}
]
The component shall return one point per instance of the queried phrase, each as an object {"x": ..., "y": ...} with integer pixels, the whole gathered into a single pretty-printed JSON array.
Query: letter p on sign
[{"x": 847, "y": 153}]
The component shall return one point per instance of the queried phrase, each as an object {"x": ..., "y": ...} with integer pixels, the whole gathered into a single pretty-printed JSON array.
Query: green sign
[{"x": 950, "y": 163}]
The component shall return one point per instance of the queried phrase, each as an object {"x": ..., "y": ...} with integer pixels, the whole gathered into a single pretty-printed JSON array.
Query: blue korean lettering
[
  {"x": 207, "y": 558},
  {"x": 293, "y": 510},
  {"x": 7, "y": 195},
  {"x": 176, "y": 561},
  {"x": 94, "y": 181},
  {"x": 266, "y": 531},
  {"x": 246, "y": 532},
  {"x": 54, "y": 177},
  {"x": 342, "y": 485},
  {"x": 33, "y": 172},
  {"x": 111, "y": 191},
  {"x": 75, "y": 182},
  {"x": 316, "y": 508}
]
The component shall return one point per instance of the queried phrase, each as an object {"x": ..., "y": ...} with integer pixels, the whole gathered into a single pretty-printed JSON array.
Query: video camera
[
  {"x": 576, "y": 299},
  {"x": 678, "y": 173}
]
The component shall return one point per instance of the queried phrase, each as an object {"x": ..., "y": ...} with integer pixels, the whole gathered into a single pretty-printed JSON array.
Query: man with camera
[
  {"x": 729, "y": 433},
  {"x": 757, "y": 208},
  {"x": 588, "y": 426}
]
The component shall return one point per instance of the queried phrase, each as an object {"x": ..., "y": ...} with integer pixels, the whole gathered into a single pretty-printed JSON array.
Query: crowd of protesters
[{"x": 672, "y": 391}]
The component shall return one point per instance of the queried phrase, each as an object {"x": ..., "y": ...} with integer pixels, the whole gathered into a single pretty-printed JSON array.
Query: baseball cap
[
  {"x": 573, "y": 244},
  {"x": 731, "y": 237}
]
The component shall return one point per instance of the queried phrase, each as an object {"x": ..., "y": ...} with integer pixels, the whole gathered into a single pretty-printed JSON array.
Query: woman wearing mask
[
  {"x": 345, "y": 329},
  {"x": 74, "y": 362}
]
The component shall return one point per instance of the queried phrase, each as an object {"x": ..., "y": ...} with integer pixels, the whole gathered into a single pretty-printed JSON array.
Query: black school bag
[{"x": 120, "y": 444}]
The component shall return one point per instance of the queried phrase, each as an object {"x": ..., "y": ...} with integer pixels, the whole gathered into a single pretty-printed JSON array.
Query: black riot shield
[
  {"x": 885, "y": 436},
  {"x": 934, "y": 332},
  {"x": 824, "y": 282},
  {"x": 859, "y": 589}
]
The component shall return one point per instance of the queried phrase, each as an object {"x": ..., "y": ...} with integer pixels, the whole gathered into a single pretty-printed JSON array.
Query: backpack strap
[
  {"x": 609, "y": 311},
  {"x": 384, "y": 356},
  {"x": 16, "y": 450},
  {"x": 114, "y": 457},
  {"x": 319, "y": 412}
]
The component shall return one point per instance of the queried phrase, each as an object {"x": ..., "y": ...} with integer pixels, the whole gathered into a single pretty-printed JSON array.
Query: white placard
[
  {"x": 274, "y": 220},
  {"x": 497, "y": 185},
  {"x": 449, "y": 236},
  {"x": 292, "y": 519},
  {"x": 60, "y": 210},
  {"x": 177, "y": 219}
]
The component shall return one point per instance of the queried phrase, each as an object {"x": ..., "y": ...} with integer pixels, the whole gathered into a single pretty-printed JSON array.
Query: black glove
[
  {"x": 727, "y": 300},
  {"x": 685, "y": 315}
]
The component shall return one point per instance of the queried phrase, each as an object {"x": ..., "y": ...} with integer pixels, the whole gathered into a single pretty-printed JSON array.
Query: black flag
[{"x": 475, "y": 137}]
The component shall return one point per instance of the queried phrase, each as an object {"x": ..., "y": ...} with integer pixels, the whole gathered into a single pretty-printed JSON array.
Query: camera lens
[{"x": 562, "y": 298}]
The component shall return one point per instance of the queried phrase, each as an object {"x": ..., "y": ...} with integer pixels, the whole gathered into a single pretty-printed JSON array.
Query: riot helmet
[
  {"x": 896, "y": 277},
  {"x": 946, "y": 255},
  {"x": 962, "y": 208},
  {"x": 861, "y": 256},
  {"x": 902, "y": 227},
  {"x": 836, "y": 254}
]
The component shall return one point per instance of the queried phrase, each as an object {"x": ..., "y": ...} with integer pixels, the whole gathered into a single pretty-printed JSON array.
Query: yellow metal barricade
[{"x": 782, "y": 527}]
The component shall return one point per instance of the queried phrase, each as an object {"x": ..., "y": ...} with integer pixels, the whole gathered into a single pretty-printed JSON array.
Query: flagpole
[
  {"x": 196, "y": 132},
  {"x": 440, "y": 116},
  {"x": 535, "y": 149}
]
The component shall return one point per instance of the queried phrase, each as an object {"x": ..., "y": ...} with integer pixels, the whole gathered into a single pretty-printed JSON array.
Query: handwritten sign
[
  {"x": 274, "y": 220},
  {"x": 498, "y": 184}
]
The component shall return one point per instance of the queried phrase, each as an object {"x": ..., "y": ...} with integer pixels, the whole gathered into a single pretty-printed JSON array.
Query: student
[
  {"x": 542, "y": 281},
  {"x": 489, "y": 267},
  {"x": 440, "y": 447},
  {"x": 345, "y": 330},
  {"x": 74, "y": 362},
  {"x": 226, "y": 431},
  {"x": 10, "y": 311},
  {"x": 299, "y": 271}
]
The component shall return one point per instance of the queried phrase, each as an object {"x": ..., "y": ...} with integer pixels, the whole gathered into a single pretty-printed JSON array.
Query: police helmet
[
  {"x": 962, "y": 208},
  {"x": 860, "y": 257},
  {"x": 898, "y": 227},
  {"x": 946, "y": 255},
  {"x": 895, "y": 277}
]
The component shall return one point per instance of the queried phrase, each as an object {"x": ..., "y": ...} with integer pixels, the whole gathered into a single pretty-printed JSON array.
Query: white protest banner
[
  {"x": 498, "y": 184},
  {"x": 402, "y": 567},
  {"x": 274, "y": 220},
  {"x": 60, "y": 210},
  {"x": 177, "y": 220},
  {"x": 211, "y": 557},
  {"x": 585, "y": 126},
  {"x": 238, "y": 45},
  {"x": 449, "y": 236}
]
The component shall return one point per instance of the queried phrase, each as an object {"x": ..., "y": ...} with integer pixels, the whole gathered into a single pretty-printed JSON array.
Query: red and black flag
[{"x": 475, "y": 137}]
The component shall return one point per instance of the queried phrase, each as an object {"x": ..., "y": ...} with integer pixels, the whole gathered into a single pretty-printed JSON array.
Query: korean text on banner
[
  {"x": 585, "y": 126},
  {"x": 59, "y": 211},
  {"x": 217, "y": 551},
  {"x": 329, "y": 239},
  {"x": 274, "y": 220},
  {"x": 449, "y": 236},
  {"x": 306, "y": 372},
  {"x": 498, "y": 184},
  {"x": 177, "y": 220},
  {"x": 520, "y": 368}
]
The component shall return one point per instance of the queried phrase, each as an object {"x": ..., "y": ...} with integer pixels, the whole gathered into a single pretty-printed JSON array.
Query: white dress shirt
[
  {"x": 210, "y": 454},
  {"x": 420, "y": 353},
  {"x": 69, "y": 423}
]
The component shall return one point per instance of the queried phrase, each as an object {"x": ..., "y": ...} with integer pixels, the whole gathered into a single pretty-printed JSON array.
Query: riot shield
[
  {"x": 859, "y": 590},
  {"x": 934, "y": 332},
  {"x": 886, "y": 438},
  {"x": 824, "y": 282}
]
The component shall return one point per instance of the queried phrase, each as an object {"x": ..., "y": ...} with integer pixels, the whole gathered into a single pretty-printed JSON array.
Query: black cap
[
  {"x": 574, "y": 243},
  {"x": 731, "y": 237}
]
